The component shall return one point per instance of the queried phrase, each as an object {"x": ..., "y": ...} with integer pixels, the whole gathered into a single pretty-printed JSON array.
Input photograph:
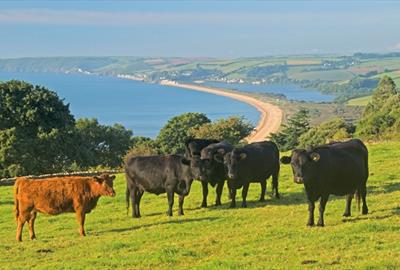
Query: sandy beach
[{"x": 271, "y": 115}]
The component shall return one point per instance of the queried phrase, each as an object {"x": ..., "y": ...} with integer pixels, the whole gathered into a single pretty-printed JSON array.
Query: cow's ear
[
  {"x": 112, "y": 177},
  {"x": 315, "y": 156},
  {"x": 99, "y": 179},
  {"x": 243, "y": 155},
  {"x": 286, "y": 159},
  {"x": 218, "y": 158},
  {"x": 185, "y": 161}
]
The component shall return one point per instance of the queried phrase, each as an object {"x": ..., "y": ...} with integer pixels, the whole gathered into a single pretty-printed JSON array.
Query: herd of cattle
[{"x": 339, "y": 168}]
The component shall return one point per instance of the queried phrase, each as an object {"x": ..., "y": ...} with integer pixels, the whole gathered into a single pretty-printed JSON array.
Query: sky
[{"x": 225, "y": 29}]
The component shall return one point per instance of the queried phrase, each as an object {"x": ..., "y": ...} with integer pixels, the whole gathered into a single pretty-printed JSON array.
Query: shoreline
[{"x": 270, "y": 118}]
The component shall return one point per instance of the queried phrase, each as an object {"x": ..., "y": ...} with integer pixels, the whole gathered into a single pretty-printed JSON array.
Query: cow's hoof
[
  {"x": 320, "y": 224},
  {"x": 277, "y": 196},
  {"x": 347, "y": 214},
  {"x": 33, "y": 237},
  {"x": 310, "y": 224},
  {"x": 261, "y": 200},
  {"x": 204, "y": 205},
  {"x": 169, "y": 214},
  {"x": 364, "y": 211},
  {"x": 218, "y": 203},
  {"x": 244, "y": 205}
]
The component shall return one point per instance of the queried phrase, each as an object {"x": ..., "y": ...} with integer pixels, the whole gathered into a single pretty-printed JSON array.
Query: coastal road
[{"x": 271, "y": 115}]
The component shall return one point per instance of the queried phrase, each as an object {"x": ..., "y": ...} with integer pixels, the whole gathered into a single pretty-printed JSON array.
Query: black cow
[
  {"x": 212, "y": 169},
  {"x": 338, "y": 168},
  {"x": 253, "y": 163},
  {"x": 158, "y": 174}
]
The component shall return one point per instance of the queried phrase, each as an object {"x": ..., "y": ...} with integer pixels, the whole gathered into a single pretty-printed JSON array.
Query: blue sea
[{"x": 144, "y": 108}]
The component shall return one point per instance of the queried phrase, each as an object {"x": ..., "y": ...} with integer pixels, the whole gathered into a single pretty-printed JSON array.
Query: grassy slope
[
  {"x": 361, "y": 101},
  {"x": 269, "y": 235}
]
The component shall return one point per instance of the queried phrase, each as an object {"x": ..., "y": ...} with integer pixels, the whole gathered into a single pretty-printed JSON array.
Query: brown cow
[{"x": 58, "y": 195}]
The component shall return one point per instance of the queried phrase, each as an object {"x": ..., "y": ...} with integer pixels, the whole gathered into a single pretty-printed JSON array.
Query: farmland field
[
  {"x": 270, "y": 235},
  {"x": 329, "y": 75},
  {"x": 361, "y": 101}
]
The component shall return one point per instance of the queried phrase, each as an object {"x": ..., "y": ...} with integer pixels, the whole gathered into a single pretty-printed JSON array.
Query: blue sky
[{"x": 197, "y": 28}]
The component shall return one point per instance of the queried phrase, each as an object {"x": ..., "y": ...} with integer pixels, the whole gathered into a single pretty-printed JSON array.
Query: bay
[{"x": 144, "y": 108}]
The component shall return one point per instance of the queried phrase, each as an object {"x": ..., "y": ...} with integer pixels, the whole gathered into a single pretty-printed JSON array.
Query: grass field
[
  {"x": 328, "y": 75},
  {"x": 270, "y": 235},
  {"x": 361, "y": 101}
]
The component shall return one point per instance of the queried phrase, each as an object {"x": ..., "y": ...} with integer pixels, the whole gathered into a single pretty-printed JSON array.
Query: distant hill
[{"x": 346, "y": 77}]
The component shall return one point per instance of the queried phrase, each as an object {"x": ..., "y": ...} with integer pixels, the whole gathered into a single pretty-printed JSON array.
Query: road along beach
[{"x": 271, "y": 115}]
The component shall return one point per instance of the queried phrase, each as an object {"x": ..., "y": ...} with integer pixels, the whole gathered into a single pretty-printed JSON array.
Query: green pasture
[
  {"x": 268, "y": 235},
  {"x": 361, "y": 101},
  {"x": 324, "y": 75}
]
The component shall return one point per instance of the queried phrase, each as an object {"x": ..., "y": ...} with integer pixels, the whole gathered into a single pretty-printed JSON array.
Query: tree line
[
  {"x": 38, "y": 134},
  {"x": 380, "y": 120}
]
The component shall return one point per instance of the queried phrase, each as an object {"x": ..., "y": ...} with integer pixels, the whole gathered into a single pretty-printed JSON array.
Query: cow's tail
[
  {"x": 358, "y": 199},
  {"x": 16, "y": 203}
]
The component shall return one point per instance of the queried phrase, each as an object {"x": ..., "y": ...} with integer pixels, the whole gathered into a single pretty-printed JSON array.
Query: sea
[{"x": 143, "y": 107}]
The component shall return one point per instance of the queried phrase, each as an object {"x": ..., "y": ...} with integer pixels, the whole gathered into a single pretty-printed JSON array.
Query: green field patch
[
  {"x": 361, "y": 101},
  {"x": 326, "y": 75}
]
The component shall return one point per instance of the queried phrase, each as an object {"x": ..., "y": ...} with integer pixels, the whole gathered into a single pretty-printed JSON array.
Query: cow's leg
[
  {"x": 363, "y": 193},
  {"x": 232, "y": 191},
  {"x": 322, "y": 204},
  {"x": 80, "y": 216},
  {"x": 205, "y": 193},
  {"x": 275, "y": 184},
  {"x": 347, "y": 211},
  {"x": 170, "y": 195},
  {"x": 134, "y": 191},
  {"x": 244, "y": 194},
  {"x": 220, "y": 187},
  {"x": 139, "y": 195},
  {"x": 311, "y": 207},
  {"x": 32, "y": 225},
  {"x": 181, "y": 200},
  {"x": 22, "y": 218},
  {"x": 263, "y": 189}
]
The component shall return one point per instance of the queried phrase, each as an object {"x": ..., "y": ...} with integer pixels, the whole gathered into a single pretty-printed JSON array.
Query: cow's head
[
  {"x": 303, "y": 164},
  {"x": 196, "y": 167},
  {"x": 233, "y": 161},
  {"x": 107, "y": 182},
  {"x": 211, "y": 160}
]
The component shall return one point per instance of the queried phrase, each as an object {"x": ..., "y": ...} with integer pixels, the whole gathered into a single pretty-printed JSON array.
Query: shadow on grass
[
  {"x": 388, "y": 188},
  {"x": 285, "y": 199},
  {"x": 160, "y": 223},
  {"x": 6, "y": 203},
  {"x": 367, "y": 217}
]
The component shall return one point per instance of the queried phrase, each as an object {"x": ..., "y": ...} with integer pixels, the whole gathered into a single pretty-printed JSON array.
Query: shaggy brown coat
[{"x": 58, "y": 195}]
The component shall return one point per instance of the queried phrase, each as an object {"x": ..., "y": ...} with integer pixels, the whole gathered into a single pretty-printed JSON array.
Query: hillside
[
  {"x": 344, "y": 76},
  {"x": 270, "y": 235}
]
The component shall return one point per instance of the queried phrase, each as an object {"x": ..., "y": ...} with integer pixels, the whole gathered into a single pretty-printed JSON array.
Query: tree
[
  {"x": 101, "y": 145},
  {"x": 142, "y": 146},
  {"x": 35, "y": 130},
  {"x": 173, "y": 135},
  {"x": 382, "y": 115},
  {"x": 297, "y": 125},
  {"x": 232, "y": 130},
  {"x": 335, "y": 130}
]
